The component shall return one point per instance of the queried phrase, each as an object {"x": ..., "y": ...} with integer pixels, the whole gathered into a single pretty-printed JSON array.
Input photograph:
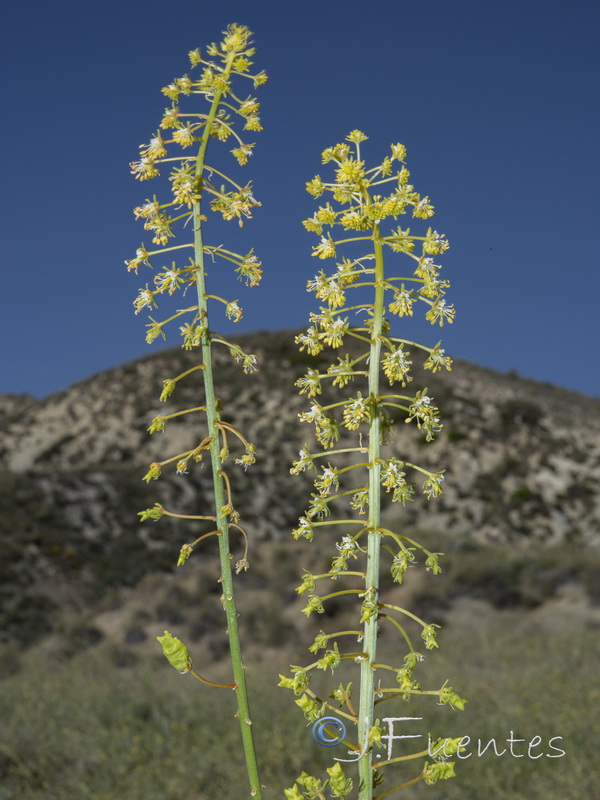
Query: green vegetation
[{"x": 82, "y": 729}]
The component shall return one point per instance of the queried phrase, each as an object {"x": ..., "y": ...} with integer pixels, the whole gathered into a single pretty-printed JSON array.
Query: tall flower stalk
[
  {"x": 362, "y": 212},
  {"x": 198, "y": 186}
]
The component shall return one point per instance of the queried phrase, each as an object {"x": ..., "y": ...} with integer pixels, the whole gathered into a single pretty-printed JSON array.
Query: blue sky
[{"x": 497, "y": 104}]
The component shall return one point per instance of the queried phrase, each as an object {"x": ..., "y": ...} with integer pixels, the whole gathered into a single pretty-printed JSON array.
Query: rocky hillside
[{"x": 522, "y": 461}]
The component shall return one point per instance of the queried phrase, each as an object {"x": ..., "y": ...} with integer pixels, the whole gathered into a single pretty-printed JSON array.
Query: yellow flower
[
  {"x": 237, "y": 38},
  {"x": 155, "y": 149},
  {"x": 144, "y": 169},
  {"x": 141, "y": 257},
  {"x": 195, "y": 57},
  {"x": 439, "y": 312},
  {"x": 398, "y": 152},
  {"x": 324, "y": 250},
  {"x": 184, "y": 136},
  {"x": 356, "y": 137},
  {"x": 423, "y": 209}
]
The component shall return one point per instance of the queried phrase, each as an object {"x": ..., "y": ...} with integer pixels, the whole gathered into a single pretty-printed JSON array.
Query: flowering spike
[
  {"x": 182, "y": 140},
  {"x": 358, "y": 206}
]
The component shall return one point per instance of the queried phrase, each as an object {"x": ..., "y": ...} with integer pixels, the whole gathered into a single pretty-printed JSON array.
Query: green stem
[
  {"x": 367, "y": 677},
  {"x": 341, "y": 450},
  {"x": 213, "y": 419},
  {"x": 404, "y": 758},
  {"x": 187, "y": 372},
  {"x": 405, "y": 611},
  {"x": 400, "y": 628},
  {"x": 341, "y": 592},
  {"x": 211, "y": 683},
  {"x": 402, "y": 786},
  {"x": 179, "y": 413}
]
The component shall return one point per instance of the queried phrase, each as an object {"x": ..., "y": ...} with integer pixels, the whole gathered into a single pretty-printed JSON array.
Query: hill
[{"x": 522, "y": 461}]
